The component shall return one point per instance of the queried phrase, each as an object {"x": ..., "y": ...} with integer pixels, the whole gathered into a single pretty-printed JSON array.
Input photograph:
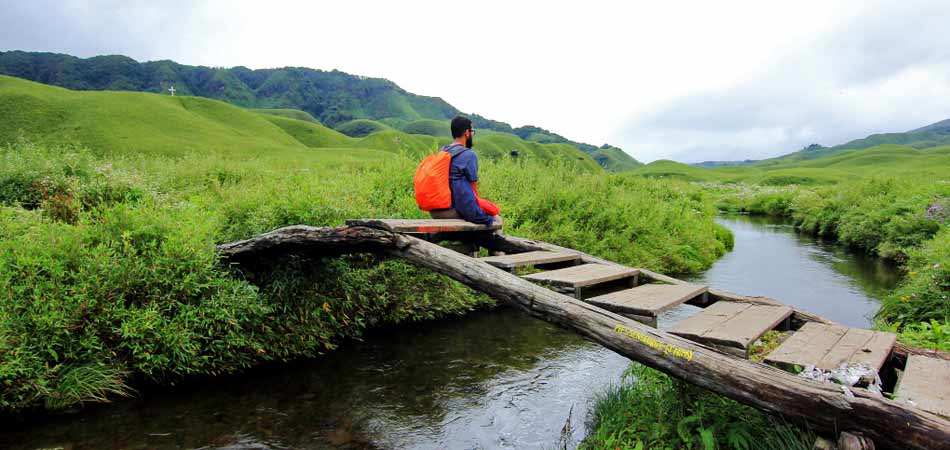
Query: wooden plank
[
  {"x": 795, "y": 344},
  {"x": 827, "y": 346},
  {"x": 512, "y": 261},
  {"x": 583, "y": 275},
  {"x": 648, "y": 299},
  {"x": 695, "y": 327},
  {"x": 749, "y": 325},
  {"x": 854, "y": 340},
  {"x": 421, "y": 225},
  {"x": 807, "y": 346},
  {"x": 926, "y": 384},
  {"x": 732, "y": 324},
  {"x": 876, "y": 350}
]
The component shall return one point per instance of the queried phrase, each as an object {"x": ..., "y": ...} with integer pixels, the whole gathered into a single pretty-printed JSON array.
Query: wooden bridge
[{"x": 617, "y": 306}]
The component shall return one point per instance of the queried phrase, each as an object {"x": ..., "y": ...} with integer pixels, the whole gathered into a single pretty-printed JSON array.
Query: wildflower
[
  {"x": 913, "y": 273},
  {"x": 905, "y": 298},
  {"x": 260, "y": 351},
  {"x": 937, "y": 266}
]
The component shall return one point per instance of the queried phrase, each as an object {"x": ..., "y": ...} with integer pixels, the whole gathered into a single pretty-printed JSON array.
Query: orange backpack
[{"x": 432, "y": 180}]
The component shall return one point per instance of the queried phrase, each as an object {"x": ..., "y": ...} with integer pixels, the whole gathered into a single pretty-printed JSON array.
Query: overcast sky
[{"x": 689, "y": 81}]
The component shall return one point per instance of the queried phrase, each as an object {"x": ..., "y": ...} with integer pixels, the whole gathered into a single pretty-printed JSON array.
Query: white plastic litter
[{"x": 845, "y": 375}]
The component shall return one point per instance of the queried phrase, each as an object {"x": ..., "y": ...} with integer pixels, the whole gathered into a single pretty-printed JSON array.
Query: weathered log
[
  {"x": 822, "y": 405},
  {"x": 307, "y": 240}
]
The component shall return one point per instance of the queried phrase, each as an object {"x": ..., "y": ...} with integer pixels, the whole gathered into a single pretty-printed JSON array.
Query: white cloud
[{"x": 880, "y": 70}]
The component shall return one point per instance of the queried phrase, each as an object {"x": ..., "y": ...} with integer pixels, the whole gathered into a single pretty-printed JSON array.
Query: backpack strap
[{"x": 455, "y": 150}]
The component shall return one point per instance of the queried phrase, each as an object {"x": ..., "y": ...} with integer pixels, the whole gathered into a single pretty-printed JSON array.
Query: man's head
[{"x": 462, "y": 130}]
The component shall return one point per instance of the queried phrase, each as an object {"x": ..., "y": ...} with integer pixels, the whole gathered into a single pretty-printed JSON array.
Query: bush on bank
[
  {"x": 898, "y": 218},
  {"x": 108, "y": 271}
]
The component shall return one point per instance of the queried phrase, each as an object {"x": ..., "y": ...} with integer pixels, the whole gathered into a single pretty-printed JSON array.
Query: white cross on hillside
[{"x": 172, "y": 90}]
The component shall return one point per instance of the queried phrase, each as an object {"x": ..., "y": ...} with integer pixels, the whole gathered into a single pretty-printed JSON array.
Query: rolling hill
[
  {"x": 333, "y": 98},
  {"x": 933, "y": 135},
  {"x": 136, "y": 122},
  {"x": 880, "y": 160}
]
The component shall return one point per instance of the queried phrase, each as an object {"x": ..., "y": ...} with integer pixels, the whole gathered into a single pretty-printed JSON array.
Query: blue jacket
[{"x": 462, "y": 172}]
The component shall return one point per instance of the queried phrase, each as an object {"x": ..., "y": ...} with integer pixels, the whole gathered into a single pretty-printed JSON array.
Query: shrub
[
  {"x": 925, "y": 293},
  {"x": 118, "y": 278}
]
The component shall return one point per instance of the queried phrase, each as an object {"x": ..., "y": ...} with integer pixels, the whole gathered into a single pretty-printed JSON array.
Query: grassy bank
[
  {"x": 108, "y": 274},
  {"x": 650, "y": 410},
  {"x": 900, "y": 218}
]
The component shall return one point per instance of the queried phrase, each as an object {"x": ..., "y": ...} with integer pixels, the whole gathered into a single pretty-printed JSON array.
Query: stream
[{"x": 490, "y": 380}]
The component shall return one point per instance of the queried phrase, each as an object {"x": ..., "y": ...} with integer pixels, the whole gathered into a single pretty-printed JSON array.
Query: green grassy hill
[
  {"x": 933, "y": 135},
  {"x": 352, "y": 104},
  {"x": 930, "y": 136},
  {"x": 361, "y": 127},
  {"x": 881, "y": 160},
  {"x": 134, "y": 122},
  {"x": 437, "y": 128},
  {"x": 311, "y": 133},
  {"x": 614, "y": 159},
  {"x": 287, "y": 112},
  {"x": 609, "y": 157}
]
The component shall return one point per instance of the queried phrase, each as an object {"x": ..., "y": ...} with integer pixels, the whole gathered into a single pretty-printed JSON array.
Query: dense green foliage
[
  {"x": 108, "y": 270},
  {"x": 332, "y": 98},
  {"x": 925, "y": 294},
  {"x": 901, "y": 218},
  {"x": 884, "y": 216},
  {"x": 892, "y": 201},
  {"x": 649, "y": 410},
  {"x": 107, "y": 267}
]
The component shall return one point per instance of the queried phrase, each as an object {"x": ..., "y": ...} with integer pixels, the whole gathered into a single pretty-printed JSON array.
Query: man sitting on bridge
[{"x": 463, "y": 174}]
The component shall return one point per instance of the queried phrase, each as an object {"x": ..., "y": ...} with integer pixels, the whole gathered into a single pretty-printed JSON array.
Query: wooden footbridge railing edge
[{"x": 823, "y": 406}]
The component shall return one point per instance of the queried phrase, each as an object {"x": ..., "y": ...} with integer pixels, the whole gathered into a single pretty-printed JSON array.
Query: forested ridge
[{"x": 332, "y": 97}]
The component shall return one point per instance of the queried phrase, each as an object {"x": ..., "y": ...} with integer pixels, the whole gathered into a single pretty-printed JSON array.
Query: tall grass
[
  {"x": 650, "y": 410},
  {"x": 108, "y": 271},
  {"x": 900, "y": 218}
]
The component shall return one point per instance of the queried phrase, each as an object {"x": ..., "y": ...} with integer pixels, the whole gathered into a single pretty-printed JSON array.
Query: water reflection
[
  {"x": 820, "y": 277},
  {"x": 496, "y": 379}
]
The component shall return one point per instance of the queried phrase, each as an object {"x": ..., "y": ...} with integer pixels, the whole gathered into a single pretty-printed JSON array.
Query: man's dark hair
[{"x": 459, "y": 125}]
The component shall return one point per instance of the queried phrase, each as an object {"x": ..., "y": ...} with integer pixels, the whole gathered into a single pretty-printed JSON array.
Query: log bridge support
[{"x": 823, "y": 406}]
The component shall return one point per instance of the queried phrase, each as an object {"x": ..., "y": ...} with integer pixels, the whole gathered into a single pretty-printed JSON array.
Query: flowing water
[{"x": 490, "y": 380}]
